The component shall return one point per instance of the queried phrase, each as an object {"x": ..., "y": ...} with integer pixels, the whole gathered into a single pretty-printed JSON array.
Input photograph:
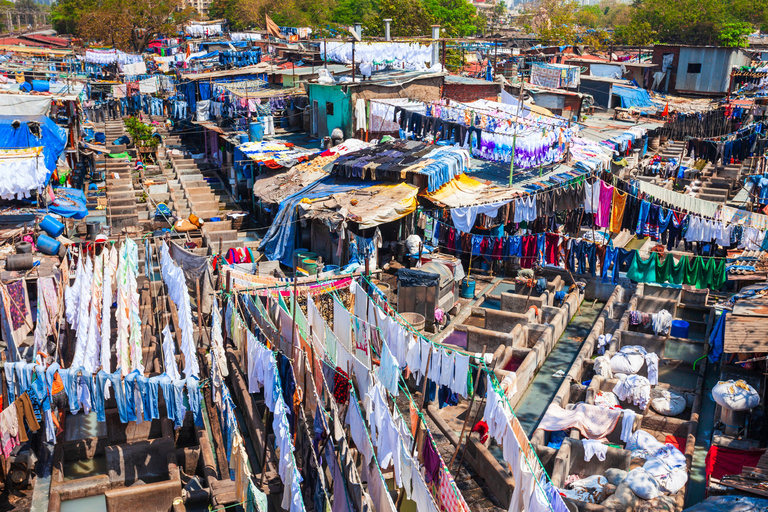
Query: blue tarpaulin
[
  {"x": 52, "y": 137},
  {"x": 635, "y": 97},
  {"x": 278, "y": 242},
  {"x": 69, "y": 203}
]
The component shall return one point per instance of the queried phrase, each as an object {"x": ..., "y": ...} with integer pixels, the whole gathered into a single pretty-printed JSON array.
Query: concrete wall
[
  {"x": 520, "y": 303},
  {"x": 157, "y": 497},
  {"x": 478, "y": 337},
  {"x": 570, "y": 461},
  {"x": 548, "y": 335},
  {"x": 505, "y": 321}
]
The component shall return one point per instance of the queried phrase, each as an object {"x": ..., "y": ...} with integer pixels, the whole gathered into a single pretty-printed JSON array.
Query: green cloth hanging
[
  {"x": 643, "y": 271},
  {"x": 719, "y": 279},
  {"x": 693, "y": 272},
  {"x": 669, "y": 271},
  {"x": 707, "y": 273}
]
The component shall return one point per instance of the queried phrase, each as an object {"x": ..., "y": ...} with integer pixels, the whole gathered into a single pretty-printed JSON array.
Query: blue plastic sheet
[
  {"x": 70, "y": 203},
  {"x": 52, "y": 137},
  {"x": 635, "y": 97}
]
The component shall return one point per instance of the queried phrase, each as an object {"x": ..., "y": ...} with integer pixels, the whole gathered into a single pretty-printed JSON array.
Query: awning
[
  {"x": 465, "y": 191},
  {"x": 634, "y": 97},
  {"x": 368, "y": 206}
]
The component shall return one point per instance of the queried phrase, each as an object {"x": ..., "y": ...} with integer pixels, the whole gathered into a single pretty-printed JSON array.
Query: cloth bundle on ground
[
  {"x": 602, "y": 367},
  {"x": 735, "y": 395},
  {"x": 628, "y": 360},
  {"x": 666, "y": 402},
  {"x": 643, "y": 484},
  {"x": 665, "y": 464},
  {"x": 669, "y": 469},
  {"x": 634, "y": 389},
  {"x": 643, "y": 445},
  {"x": 588, "y": 490},
  {"x": 592, "y": 421}
]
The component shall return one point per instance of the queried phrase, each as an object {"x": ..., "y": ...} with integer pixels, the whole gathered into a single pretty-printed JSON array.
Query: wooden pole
[{"x": 469, "y": 412}]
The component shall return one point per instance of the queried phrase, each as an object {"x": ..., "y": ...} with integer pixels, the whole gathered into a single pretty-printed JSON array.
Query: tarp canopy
[
  {"x": 52, "y": 137},
  {"x": 327, "y": 200},
  {"x": 24, "y": 105},
  {"x": 278, "y": 242},
  {"x": 466, "y": 191},
  {"x": 369, "y": 206},
  {"x": 635, "y": 97}
]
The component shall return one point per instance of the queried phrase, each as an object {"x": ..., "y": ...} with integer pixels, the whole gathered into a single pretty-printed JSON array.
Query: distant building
[
  {"x": 697, "y": 69},
  {"x": 201, "y": 6}
]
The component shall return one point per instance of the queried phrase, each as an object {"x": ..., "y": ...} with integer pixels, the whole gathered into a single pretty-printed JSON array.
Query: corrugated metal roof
[{"x": 465, "y": 80}]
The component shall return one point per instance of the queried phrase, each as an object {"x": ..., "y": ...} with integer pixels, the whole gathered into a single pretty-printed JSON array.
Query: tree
[
  {"x": 554, "y": 21},
  {"x": 409, "y": 17},
  {"x": 634, "y": 34},
  {"x": 125, "y": 24},
  {"x": 458, "y": 18},
  {"x": 698, "y": 22}
]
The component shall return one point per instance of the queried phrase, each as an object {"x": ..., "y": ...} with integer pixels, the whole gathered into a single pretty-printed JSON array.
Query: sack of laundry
[
  {"x": 666, "y": 402},
  {"x": 628, "y": 360},
  {"x": 643, "y": 484},
  {"x": 735, "y": 395}
]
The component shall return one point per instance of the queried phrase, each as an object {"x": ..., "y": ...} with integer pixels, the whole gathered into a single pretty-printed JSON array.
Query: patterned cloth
[
  {"x": 19, "y": 311},
  {"x": 340, "y": 386}
]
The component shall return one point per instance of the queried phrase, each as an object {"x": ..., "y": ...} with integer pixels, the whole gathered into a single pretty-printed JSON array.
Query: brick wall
[{"x": 468, "y": 93}]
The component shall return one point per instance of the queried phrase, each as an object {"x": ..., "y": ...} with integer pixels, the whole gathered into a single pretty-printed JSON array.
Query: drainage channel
[
  {"x": 697, "y": 485},
  {"x": 547, "y": 381}
]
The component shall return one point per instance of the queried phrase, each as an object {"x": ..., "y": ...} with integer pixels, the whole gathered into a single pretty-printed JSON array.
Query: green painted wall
[{"x": 342, "y": 111}]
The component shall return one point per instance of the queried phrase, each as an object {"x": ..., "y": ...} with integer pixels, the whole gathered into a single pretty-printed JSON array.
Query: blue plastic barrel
[
  {"x": 256, "y": 132},
  {"x": 679, "y": 329},
  {"x": 100, "y": 137},
  {"x": 41, "y": 85},
  {"x": 467, "y": 290},
  {"x": 244, "y": 138},
  {"x": 47, "y": 245},
  {"x": 331, "y": 268},
  {"x": 51, "y": 226}
]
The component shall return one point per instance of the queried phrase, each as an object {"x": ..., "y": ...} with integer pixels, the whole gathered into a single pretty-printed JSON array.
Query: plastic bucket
[
  {"x": 310, "y": 266},
  {"x": 467, "y": 290},
  {"x": 47, "y": 245},
  {"x": 331, "y": 268},
  {"x": 679, "y": 329},
  {"x": 256, "y": 132},
  {"x": 244, "y": 138},
  {"x": 41, "y": 85},
  {"x": 51, "y": 226}
]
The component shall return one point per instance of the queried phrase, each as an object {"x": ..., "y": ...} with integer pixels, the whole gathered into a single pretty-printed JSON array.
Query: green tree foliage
[
  {"x": 125, "y": 24},
  {"x": 409, "y": 17}
]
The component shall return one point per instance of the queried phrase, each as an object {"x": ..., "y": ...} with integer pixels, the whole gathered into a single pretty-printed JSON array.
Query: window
[
  {"x": 329, "y": 108},
  {"x": 694, "y": 68}
]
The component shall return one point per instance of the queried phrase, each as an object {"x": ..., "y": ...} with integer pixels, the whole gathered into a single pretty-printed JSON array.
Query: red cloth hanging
[{"x": 728, "y": 461}]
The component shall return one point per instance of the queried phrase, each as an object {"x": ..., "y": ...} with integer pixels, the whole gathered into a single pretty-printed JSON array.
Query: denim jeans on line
[
  {"x": 130, "y": 395},
  {"x": 117, "y": 384}
]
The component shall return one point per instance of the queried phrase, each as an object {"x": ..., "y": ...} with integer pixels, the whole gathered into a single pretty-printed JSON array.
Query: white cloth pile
[
  {"x": 661, "y": 321},
  {"x": 635, "y": 389}
]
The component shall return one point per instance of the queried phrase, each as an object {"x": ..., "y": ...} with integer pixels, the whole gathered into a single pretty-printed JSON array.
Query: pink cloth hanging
[{"x": 603, "y": 217}]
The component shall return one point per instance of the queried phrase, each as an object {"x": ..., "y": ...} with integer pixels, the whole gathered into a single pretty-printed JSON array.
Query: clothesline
[{"x": 561, "y": 235}]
